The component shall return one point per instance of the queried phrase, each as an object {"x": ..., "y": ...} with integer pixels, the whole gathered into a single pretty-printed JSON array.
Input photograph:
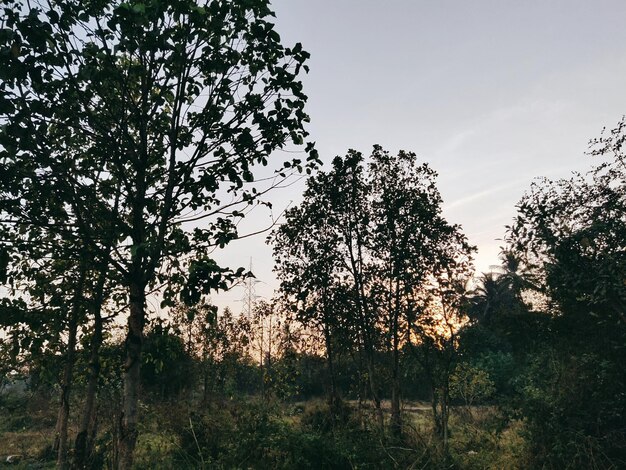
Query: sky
[{"x": 492, "y": 94}]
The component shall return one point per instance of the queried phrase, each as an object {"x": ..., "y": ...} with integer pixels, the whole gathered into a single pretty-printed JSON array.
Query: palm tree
[{"x": 492, "y": 295}]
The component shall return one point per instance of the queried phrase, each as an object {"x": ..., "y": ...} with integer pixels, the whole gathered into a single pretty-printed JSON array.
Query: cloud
[{"x": 465, "y": 200}]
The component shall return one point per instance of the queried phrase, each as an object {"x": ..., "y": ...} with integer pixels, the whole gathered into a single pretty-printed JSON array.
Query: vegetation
[{"x": 129, "y": 133}]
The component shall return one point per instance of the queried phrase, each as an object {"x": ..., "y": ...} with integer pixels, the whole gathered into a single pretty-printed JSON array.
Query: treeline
[
  {"x": 521, "y": 367},
  {"x": 368, "y": 260},
  {"x": 129, "y": 132}
]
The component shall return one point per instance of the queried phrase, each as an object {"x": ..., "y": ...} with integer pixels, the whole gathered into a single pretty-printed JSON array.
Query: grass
[
  {"x": 176, "y": 436},
  {"x": 480, "y": 440},
  {"x": 27, "y": 429}
]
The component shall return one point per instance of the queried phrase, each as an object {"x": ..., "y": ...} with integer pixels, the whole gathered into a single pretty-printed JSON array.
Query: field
[{"x": 251, "y": 433}]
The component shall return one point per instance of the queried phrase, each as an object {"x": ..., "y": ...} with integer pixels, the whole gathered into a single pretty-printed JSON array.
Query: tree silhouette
[
  {"x": 144, "y": 116},
  {"x": 375, "y": 235},
  {"x": 571, "y": 235}
]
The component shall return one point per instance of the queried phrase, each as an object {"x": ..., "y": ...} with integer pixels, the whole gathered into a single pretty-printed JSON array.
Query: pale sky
[{"x": 490, "y": 93}]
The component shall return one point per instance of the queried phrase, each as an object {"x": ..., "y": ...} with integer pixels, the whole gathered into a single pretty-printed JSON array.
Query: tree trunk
[
  {"x": 205, "y": 388},
  {"x": 84, "y": 438},
  {"x": 334, "y": 397},
  {"x": 60, "y": 441},
  {"x": 86, "y": 431},
  {"x": 134, "y": 340},
  {"x": 361, "y": 389},
  {"x": 396, "y": 418},
  {"x": 375, "y": 395},
  {"x": 441, "y": 414},
  {"x": 205, "y": 379},
  {"x": 445, "y": 413},
  {"x": 435, "y": 404}
]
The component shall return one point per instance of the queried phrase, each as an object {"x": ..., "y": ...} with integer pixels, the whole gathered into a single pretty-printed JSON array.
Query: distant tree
[
  {"x": 230, "y": 354},
  {"x": 358, "y": 250},
  {"x": 276, "y": 340},
  {"x": 145, "y": 115},
  {"x": 307, "y": 263},
  {"x": 197, "y": 326},
  {"x": 490, "y": 294},
  {"x": 167, "y": 368},
  {"x": 411, "y": 245},
  {"x": 433, "y": 338},
  {"x": 470, "y": 384},
  {"x": 501, "y": 328}
]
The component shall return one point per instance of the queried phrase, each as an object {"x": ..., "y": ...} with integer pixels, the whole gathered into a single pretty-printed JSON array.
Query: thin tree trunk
[
  {"x": 84, "y": 442},
  {"x": 435, "y": 404},
  {"x": 396, "y": 418},
  {"x": 205, "y": 374},
  {"x": 362, "y": 387},
  {"x": 60, "y": 442},
  {"x": 334, "y": 397},
  {"x": 394, "y": 309},
  {"x": 375, "y": 395},
  {"x": 128, "y": 420},
  {"x": 445, "y": 413},
  {"x": 362, "y": 310},
  {"x": 86, "y": 431},
  {"x": 88, "y": 426},
  {"x": 142, "y": 266},
  {"x": 369, "y": 352},
  {"x": 205, "y": 385}
]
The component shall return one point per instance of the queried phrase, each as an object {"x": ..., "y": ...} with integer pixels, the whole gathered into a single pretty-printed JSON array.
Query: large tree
[
  {"x": 413, "y": 247},
  {"x": 571, "y": 235},
  {"x": 366, "y": 240},
  {"x": 147, "y": 115}
]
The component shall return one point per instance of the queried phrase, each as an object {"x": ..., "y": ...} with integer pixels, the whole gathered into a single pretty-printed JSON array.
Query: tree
[
  {"x": 349, "y": 190},
  {"x": 167, "y": 367},
  {"x": 198, "y": 326},
  {"x": 144, "y": 115},
  {"x": 322, "y": 259},
  {"x": 571, "y": 235},
  {"x": 361, "y": 247},
  {"x": 470, "y": 384},
  {"x": 54, "y": 285},
  {"x": 433, "y": 337},
  {"x": 307, "y": 263},
  {"x": 412, "y": 244}
]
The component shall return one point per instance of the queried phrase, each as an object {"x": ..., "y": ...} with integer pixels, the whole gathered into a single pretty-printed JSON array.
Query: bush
[{"x": 319, "y": 417}]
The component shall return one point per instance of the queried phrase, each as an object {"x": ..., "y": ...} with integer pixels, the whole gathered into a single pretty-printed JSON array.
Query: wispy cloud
[
  {"x": 457, "y": 141},
  {"x": 477, "y": 196}
]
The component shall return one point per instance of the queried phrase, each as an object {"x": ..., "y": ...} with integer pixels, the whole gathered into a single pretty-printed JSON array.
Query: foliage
[
  {"x": 470, "y": 384},
  {"x": 167, "y": 366},
  {"x": 572, "y": 234},
  {"x": 128, "y": 134}
]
